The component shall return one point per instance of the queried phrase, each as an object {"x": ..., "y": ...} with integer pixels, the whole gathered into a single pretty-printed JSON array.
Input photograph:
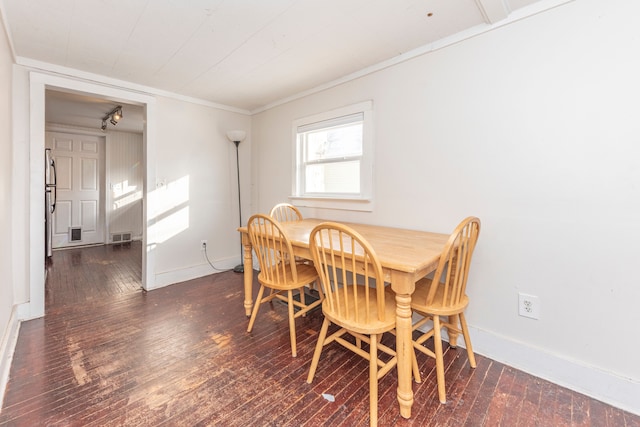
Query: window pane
[
  {"x": 336, "y": 142},
  {"x": 343, "y": 177}
]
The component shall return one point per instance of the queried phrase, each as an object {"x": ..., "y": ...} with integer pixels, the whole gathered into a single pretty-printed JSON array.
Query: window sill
[{"x": 355, "y": 204}]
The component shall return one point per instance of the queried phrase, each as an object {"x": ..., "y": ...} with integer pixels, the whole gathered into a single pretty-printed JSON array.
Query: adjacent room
[{"x": 142, "y": 142}]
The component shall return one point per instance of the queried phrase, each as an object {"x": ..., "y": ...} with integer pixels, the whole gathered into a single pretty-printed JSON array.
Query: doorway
[{"x": 39, "y": 83}]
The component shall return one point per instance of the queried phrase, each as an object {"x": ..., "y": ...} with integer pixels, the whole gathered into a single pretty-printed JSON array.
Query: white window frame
[{"x": 362, "y": 201}]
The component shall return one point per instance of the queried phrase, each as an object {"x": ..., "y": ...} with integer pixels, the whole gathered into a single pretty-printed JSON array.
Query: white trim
[
  {"x": 36, "y": 199},
  {"x": 362, "y": 202},
  {"x": 604, "y": 386},
  {"x": 149, "y": 183},
  {"x": 38, "y": 84},
  {"x": 360, "y": 205},
  {"x": 76, "y": 130},
  {"x": 607, "y": 387},
  {"x": 7, "y": 349},
  {"x": 184, "y": 274},
  {"x": 46, "y": 67}
]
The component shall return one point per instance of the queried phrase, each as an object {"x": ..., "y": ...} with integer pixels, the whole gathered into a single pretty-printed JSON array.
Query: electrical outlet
[
  {"x": 203, "y": 245},
  {"x": 528, "y": 306}
]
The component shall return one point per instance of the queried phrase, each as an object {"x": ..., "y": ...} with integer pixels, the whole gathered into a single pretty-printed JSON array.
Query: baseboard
[
  {"x": 604, "y": 386},
  {"x": 181, "y": 275},
  {"x": 7, "y": 348}
]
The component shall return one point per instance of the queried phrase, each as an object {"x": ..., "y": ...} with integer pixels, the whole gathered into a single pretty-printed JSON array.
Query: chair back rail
[
  {"x": 284, "y": 212},
  {"x": 453, "y": 267}
]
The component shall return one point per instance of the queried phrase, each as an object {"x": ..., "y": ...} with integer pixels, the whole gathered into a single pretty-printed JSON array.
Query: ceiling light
[{"x": 113, "y": 116}]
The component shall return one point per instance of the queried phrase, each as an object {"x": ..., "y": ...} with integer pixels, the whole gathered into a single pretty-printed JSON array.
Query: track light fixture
[{"x": 113, "y": 116}]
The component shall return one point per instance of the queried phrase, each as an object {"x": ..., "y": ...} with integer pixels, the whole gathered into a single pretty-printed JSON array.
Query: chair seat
[
  {"x": 360, "y": 324},
  {"x": 306, "y": 274},
  {"x": 419, "y": 298}
]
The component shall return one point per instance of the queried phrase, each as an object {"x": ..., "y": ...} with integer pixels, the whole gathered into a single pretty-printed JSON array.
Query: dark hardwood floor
[{"x": 110, "y": 354}]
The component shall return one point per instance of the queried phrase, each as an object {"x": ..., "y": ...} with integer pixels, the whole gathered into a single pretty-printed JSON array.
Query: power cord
[{"x": 204, "y": 246}]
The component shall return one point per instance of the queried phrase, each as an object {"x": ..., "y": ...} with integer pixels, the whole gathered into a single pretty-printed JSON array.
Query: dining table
[{"x": 405, "y": 255}]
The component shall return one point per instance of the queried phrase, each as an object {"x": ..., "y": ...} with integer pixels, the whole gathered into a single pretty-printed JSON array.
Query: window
[{"x": 333, "y": 165}]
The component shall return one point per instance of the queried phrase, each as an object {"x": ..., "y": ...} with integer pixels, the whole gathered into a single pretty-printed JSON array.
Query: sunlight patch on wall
[
  {"x": 125, "y": 194},
  {"x": 170, "y": 209},
  {"x": 127, "y": 200}
]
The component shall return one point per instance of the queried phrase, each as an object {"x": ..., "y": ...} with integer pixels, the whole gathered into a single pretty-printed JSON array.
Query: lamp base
[{"x": 239, "y": 268}]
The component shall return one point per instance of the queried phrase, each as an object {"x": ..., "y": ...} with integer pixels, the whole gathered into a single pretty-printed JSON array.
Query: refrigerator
[{"x": 49, "y": 199}]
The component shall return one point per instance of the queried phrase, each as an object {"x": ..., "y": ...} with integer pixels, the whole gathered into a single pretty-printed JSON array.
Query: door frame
[{"x": 38, "y": 84}]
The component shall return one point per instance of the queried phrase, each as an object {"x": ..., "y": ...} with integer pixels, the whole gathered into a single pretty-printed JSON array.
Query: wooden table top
[{"x": 409, "y": 251}]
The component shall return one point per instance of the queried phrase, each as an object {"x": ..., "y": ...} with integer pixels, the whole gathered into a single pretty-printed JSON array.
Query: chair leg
[
  {"x": 303, "y": 300},
  {"x": 318, "y": 350},
  {"x": 414, "y": 366},
  {"x": 467, "y": 340},
  {"x": 292, "y": 323},
  {"x": 256, "y": 307},
  {"x": 373, "y": 381},
  {"x": 453, "y": 335},
  {"x": 437, "y": 340}
]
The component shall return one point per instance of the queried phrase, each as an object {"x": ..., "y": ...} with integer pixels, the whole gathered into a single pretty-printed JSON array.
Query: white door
[{"x": 79, "y": 215}]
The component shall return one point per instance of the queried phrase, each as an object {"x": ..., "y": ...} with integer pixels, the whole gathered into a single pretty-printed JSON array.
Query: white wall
[
  {"x": 6, "y": 288},
  {"x": 8, "y": 323},
  {"x": 534, "y": 128},
  {"x": 197, "y": 195},
  {"x": 124, "y": 183}
]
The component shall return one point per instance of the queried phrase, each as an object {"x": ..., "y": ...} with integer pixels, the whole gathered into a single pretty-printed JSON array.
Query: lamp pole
[
  {"x": 240, "y": 267},
  {"x": 237, "y": 136}
]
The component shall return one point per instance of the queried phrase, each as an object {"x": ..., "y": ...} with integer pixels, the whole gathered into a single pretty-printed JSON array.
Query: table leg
[
  {"x": 248, "y": 274},
  {"x": 404, "y": 350}
]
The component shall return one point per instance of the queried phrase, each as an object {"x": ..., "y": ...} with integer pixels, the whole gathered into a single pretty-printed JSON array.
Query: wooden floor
[{"x": 109, "y": 354}]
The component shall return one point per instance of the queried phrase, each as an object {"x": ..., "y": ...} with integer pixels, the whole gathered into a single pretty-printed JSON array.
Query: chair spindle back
[
  {"x": 344, "y": 258},
  {"x": 453, "y": 268},
  {"x": 273, "y": 250}
]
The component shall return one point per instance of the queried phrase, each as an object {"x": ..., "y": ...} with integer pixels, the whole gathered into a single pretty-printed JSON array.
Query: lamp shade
[{"x": 236, "y": 135}]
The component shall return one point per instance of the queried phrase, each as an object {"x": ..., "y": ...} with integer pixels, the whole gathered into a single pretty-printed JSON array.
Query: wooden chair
[
  {"x": 285, "y": 212},
  {"x": 352, "y": 283},
  {"x": 445, "y": 295},
  {"x": 274, "y": 252}
]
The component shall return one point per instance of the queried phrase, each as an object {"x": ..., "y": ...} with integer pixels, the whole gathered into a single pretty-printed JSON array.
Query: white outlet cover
[{"x": 528, "y": 306}]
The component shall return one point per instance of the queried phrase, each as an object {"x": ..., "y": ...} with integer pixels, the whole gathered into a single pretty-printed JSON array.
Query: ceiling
[{"x": 244, "y": 54}]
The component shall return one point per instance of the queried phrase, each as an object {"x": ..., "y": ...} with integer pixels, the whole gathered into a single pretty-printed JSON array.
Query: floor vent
[
  {"x": 75, "y": 234},
  {"x": 120, "y": 237}
]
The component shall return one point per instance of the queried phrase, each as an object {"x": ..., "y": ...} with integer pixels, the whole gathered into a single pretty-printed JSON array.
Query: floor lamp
[{"x": 237, "y": 136}]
